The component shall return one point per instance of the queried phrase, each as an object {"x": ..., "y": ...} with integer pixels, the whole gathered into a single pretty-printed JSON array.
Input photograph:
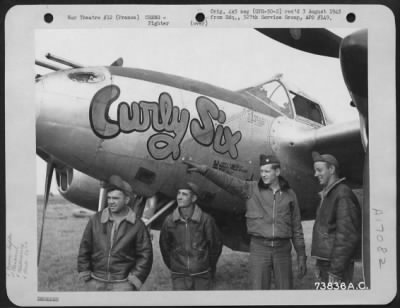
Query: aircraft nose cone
[{"x": 63, "y": 124}]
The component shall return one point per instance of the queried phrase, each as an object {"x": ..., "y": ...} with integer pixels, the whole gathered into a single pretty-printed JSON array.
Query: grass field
[{"x": 62, "y": 235}]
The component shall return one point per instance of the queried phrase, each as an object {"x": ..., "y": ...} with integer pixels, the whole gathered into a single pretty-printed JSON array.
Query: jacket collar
[
  {"x": 283, "y": 184},
  {"x": 130, "y": 217},
  {"x": 328, "y": 189},
  {"x": 195, "y": 216}
]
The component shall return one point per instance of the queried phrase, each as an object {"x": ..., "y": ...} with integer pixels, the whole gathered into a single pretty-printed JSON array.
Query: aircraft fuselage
[{"x": 140, "y": 124}]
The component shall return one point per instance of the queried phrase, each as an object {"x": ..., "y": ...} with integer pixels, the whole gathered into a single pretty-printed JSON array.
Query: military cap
[
  {"x": 268, "y": 159},
  {"x": 190, "y": 186},
  {"x": 328, "y": 158},
  {"x": 116, "y": 182}
]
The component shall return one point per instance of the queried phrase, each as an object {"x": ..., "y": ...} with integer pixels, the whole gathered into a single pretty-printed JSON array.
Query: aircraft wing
[{"x": 343, "y": 140}]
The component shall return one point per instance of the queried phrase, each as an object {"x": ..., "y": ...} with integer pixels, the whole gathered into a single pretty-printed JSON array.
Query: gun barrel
[
  {"x": 160, "y": 211},
  {"x": 63, "y": 61},
  {"x": 47, "y": 65}
]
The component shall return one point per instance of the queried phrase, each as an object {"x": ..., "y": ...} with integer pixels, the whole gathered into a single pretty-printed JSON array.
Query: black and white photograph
[{"x": 240, "y": 157}]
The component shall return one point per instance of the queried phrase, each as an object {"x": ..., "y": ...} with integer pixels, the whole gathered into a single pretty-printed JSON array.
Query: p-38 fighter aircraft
[{"x": 94, "y": 122}]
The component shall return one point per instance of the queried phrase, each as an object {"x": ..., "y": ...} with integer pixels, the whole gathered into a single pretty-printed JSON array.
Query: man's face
[
  {"x": 116, "y": 201},
  {"x": 323, "y": 173},
  {"x": 268, "y": 174},
  {"x": 185, "y": 197}
]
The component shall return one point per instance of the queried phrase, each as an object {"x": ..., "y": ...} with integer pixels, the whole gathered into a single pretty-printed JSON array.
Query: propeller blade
[
  {"x": 49, "y": 175},
  {"x": 118, "y": 62},
  {"x": 318, "y": 41},
  {"x": 365, "y": 223}
]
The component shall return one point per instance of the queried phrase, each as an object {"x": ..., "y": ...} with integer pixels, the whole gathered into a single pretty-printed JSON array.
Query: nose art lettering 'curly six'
[{"x": 168, "y": 121}]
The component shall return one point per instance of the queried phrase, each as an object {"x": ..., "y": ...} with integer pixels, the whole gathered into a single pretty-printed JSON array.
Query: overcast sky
[{"x": 229, "y": 58}]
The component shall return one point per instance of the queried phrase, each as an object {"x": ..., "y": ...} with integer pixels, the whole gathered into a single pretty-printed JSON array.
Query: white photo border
[{"x": 20, "y": 140}]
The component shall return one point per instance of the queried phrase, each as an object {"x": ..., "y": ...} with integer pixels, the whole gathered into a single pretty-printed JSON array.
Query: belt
[
  {"x": 105, "y": 280},
  {"x": 270, "y": 241},
  {"x": 190, "y": 274}
]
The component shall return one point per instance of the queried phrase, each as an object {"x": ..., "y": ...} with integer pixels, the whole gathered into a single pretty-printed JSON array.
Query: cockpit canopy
[{"x": 287, "y": 101}]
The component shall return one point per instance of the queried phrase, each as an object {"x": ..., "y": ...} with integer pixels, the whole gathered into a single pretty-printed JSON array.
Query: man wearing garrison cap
[
  {"x": 336, "y": 241},
  {"x": 273, "y": 222},
  {"x": 190, "y": 242},
  {"x": 116, "y": 252}
]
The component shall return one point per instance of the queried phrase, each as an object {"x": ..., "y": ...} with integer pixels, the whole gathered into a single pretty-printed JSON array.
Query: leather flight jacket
[
  {"x": 337, "y": 228},
  {"x": 192, "y": 246},
  {"x": 128, "y": 254}
]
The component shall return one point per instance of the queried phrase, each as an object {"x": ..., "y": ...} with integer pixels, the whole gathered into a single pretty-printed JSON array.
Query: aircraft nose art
[{"x": 63, "y": 101}]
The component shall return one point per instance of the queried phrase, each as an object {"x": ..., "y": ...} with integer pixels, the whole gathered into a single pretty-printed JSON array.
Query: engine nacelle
[{"x": 78, "y": 188}]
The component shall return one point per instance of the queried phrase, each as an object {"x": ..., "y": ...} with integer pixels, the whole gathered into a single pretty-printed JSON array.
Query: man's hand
[
  {"x": 134, "y": 288},
  {"x": 195, "y": 167},
  {"x": 85, "y": 276},
  {"x": 333, "y": 278},
  {"x": 302, "y": 266},
  {"x": 317, "y": 274}
]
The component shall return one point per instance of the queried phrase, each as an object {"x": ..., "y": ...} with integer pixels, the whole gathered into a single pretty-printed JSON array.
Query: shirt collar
[
  {"x": 327, "y": 189},
  {"x": 283, "y": 184},
  {"x": 130, "y": 216},
  {"x": 195, "y": 216}
]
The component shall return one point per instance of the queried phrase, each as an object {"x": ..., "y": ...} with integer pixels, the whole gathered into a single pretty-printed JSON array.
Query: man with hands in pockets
[
  {"x": 115, "y": 253},
  {"x": 190, "y": 242},
  {"x": 336, "y": 241}
]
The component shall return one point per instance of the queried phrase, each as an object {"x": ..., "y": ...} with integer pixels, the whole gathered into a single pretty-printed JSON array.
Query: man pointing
[{"x": 273, "y": 221}]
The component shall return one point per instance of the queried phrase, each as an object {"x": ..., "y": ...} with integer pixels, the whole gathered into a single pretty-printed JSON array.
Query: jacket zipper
[
  {"x": 273, "y": 220},
  {"x": 186, "y": 245},
  {"x": 109, "y": 256},
  {"x": 108, "y": 265}
]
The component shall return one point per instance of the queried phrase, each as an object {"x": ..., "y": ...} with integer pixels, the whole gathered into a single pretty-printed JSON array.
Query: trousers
[
  {"x": 323, "y": 267},
  {"x": 97, "y": 285},
  {"x": 194, "y": 282},
  {"x": 269, "y": 257}
]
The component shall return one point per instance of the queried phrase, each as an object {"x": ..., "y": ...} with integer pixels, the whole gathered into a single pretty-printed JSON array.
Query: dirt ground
[{"x": 62, "y": 235}]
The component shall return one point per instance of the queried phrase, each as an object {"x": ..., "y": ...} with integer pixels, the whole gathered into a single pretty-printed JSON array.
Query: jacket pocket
[
  {"x": 177, "y": 250},
  {"x": 284, "y": 216},
  {"x": 199, "y": 246},
  {"x": 127, "y": 257},
  {"x": 325, "y": 244},
  {"x": 97, "y": 255},
  {"x": 253, "y": 211},
  {"x": 329, "y": 240},
  {"x": 253, "y": 215},
  {"x": 254, "y": 221}
]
